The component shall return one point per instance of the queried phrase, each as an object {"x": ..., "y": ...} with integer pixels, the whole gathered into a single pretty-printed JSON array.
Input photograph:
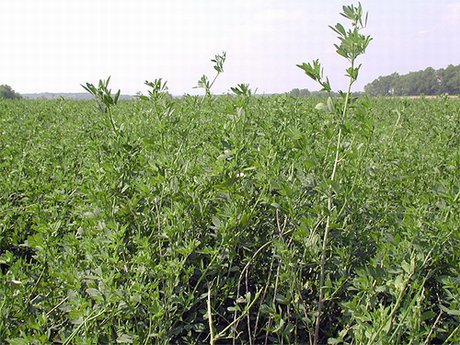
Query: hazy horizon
[{"x": 54, "y": 46}]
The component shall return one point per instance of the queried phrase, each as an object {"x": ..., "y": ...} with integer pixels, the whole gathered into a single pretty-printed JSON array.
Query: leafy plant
[
  {"x": 192, "y": 229},
  {"x": 159, "y": 90},
  {"x": 105, "y": 100},
  {"x": 352, "y": 44},
  {"x": 204, "y": 82},
  {"x": 242, "y": 90}
]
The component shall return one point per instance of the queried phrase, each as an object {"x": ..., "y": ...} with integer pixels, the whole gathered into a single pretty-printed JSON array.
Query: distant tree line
[
  {"x": 427, "y": 82},
  {"x": 299, "y": 92},
  {"x": 7, "y": 92},
  {"x": 307, "y": 93}
]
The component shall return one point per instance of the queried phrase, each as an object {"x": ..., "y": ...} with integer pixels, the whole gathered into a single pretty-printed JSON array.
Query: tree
[
  {"x": 294, "y": 92},
  {"x": 383, "y": 86},
  {"x": 7, "y": 92},
  {"x": 299, "y": 92},
  {"x": 450, "y": 80},
  {"x": 426, "y": 82}
]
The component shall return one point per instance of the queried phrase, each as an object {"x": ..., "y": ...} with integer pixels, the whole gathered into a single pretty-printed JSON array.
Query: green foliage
[
  {"x": 105, "y": 239},
  {"x": 204, "y": 82},
  {"x": 428, "y": 82},
  {"x": 352, "y": 44},
  {"x": 158, "y": 90},
  {"x": 205, "y": 222},
  {"x": 242, "y": 90},
  {"x": 299, "y": 92},
  {"x": 315, "y": 71},
  {"x": 6, "y": 92},
  {"x": 105, "y": 100}
]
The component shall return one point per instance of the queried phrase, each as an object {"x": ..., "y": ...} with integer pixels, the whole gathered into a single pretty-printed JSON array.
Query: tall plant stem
[
  {"x": 211, "y": 326},
  {"x": 208, "y": 90},
  {"x": 112, "y": 122},
  {"x": 330, "y": 201},
  {"x": 214, "y": 80}
]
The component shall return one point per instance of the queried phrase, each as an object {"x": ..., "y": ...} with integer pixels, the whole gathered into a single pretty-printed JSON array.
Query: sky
[{"x": 56, "y": 45}]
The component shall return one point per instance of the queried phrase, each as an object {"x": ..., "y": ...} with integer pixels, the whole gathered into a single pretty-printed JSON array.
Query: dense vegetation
[
  {"x": 106, "y": 239},
  {"x": 6, "y": 92},
  {"x": 231, "y": 220},
  {"x": 427, "y": 82}
]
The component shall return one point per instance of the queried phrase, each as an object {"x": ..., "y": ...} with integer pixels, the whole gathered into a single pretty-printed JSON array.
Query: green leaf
[
  {"x": 330, "y": 105},
  {"x": 309, "y": 70},
  {"x": 321, "y": 106},
  {"x": 117, "y": 96},
  {"x": 428, "y": 315},
  {"x": 339, "y": 29},
  {"x": 95, "y": 293},
  {"x": 19, "y": 341},
  {"x": 125, "y": 339},
  {"x": 450, "y": 311}
]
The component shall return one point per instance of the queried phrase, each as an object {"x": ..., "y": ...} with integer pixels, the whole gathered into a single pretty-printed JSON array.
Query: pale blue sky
[{"x": 55, "y": 45}]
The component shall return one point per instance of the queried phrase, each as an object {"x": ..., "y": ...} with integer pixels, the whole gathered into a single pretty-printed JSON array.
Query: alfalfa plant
[
  {"x": 158, "y": 90},
  {"x": 105, "y": 100},
  {"x": 242, "y": 90},
  {"x": 204, "y": 82},
  {"x": 352, "y": 44},
  {"x": 243, "y": 94}
]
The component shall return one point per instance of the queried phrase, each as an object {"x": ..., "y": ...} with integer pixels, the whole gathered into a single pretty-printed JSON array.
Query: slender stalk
[
  {"x": 452, "y": 334},
  {"x": 330, "y": 200},
  {"x": 211, "y": 326},
  {"x": 213, "y": 81},
  {"x": 245, "y": 272},
  {"x": 91, "y": 317},
  {"x": 393, "y": 311},
  {"x": 55, "y": 307},
  {"x": 221, "y": 334},
  {"x": 112, "y": 122}
]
